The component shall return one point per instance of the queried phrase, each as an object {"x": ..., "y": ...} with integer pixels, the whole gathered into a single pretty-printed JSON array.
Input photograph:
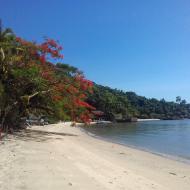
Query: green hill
[{"x": 119, "y": 104}]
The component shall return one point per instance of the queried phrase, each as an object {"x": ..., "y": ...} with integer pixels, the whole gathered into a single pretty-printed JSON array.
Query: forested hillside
[
  {"x": 34, "y": 80},
  {"x": 116, "y": 104}
]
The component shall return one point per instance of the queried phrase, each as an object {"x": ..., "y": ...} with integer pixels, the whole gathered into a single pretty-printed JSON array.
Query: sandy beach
[{"x": 57, "y": 157}]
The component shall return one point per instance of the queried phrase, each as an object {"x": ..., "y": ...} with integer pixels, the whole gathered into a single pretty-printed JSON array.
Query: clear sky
[{"x": 133, "y": 45}]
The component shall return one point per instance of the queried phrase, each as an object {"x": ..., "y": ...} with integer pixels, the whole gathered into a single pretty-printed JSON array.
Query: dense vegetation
[
  {"x": 123, "y": 105},
  {"x": 34, "y": 81}
]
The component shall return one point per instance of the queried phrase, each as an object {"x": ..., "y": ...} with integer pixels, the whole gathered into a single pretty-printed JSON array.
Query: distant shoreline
[{"x": 148, "y": 119}]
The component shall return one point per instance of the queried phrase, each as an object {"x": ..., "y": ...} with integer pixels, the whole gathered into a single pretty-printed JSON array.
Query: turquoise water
[{"x": 170, "y": 138}]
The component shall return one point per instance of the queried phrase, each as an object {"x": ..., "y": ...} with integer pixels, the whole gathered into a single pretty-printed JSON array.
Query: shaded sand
[{"x": 59, "y": 157}]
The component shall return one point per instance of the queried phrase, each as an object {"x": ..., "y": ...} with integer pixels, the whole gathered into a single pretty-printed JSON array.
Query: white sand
[
  {"x": 148, "y": 119},
  {"x": 73, "y": 160}
]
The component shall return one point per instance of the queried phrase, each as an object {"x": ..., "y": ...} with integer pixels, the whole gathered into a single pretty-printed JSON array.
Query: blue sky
[{"x": 133, "y": 45}]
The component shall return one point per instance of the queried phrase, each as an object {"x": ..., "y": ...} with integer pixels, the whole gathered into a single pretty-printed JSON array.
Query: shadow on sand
[{"x": 38, "y": 136}]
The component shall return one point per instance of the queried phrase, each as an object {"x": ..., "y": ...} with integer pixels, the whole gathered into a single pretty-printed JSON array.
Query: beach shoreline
[
  {"x": 63, "y": 157},
  {"x": 168, "y": 156},
  {"x": 139, "y": 120}
]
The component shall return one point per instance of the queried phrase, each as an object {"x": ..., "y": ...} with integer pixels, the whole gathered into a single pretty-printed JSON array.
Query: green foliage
[
  {"x": 31, "y": 83},
  {"x": 116, "y": 102},
  {"x": 110, "y": 101},
  {"x": 66, "y": 69}
]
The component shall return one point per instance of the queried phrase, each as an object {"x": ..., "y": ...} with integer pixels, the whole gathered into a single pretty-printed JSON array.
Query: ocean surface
[{"x": 168, "y": 138}]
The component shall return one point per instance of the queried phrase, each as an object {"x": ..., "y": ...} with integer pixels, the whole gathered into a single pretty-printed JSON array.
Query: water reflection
[{"x": 166, "y": 137}]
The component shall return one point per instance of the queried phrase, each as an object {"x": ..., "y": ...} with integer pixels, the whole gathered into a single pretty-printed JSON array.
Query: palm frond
[{"x": 7, "y": 31}]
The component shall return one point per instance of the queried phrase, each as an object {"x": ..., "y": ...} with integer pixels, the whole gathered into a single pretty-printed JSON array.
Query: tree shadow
[{"x": 39, "y": 136}]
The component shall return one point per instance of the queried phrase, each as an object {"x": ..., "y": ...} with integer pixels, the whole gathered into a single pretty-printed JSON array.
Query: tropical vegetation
[
  {"x": 124, "y": 105},
  {"x": 34, "y": 81}
]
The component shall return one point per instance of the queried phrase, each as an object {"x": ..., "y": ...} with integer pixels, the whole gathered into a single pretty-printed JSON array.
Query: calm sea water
[{"x": 169, "y": 138}]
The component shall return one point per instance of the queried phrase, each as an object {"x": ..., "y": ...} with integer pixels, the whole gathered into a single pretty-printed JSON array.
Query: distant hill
[{"x": 119, "y": 104}]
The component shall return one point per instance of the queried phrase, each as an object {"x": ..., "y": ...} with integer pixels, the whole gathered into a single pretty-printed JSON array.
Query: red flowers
[
  {"x": 52, "y": 48},
  {"x": 68, "y": 91},
  {"x": 83, "y": 104},
  {"x": 42, "y": 59}
]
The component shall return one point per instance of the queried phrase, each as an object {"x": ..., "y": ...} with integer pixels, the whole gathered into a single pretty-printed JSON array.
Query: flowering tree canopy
[{"x": 32, "y": 82}]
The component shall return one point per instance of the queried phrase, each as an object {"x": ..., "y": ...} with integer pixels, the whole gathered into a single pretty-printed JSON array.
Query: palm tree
[
  {"x": 178, "y": 99},
  {"x": 5, "y": 36}
]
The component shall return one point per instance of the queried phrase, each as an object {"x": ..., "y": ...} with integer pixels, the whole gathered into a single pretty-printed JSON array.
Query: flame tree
[{"x": 32, "y": 82}]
